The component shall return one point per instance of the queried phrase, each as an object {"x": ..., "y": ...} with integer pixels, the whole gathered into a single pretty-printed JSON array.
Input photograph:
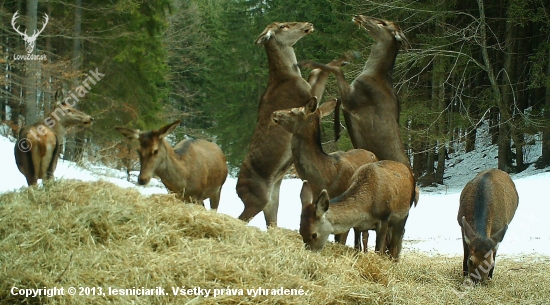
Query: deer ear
[
  {"x": 499, "y": 236},
  {"x": 311, "y": 106},
  {"x": 130, "y": 134},
  {"x": 166, "y": 130},
  {"x": 405, "y": 45},
  {"x": 321, "y": 206},
  {"x": 467, "y": 233},
  {"x": 305, "y": 194},
  {"x": 327, "y": 107},
  {"x": 264, "y": 36}
]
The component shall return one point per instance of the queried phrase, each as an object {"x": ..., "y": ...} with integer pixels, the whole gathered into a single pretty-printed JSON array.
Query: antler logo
[{"x": 29, "y": 41}]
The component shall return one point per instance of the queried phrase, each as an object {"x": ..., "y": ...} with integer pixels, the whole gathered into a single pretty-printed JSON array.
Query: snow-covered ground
[{"x": 432, "y": 226}]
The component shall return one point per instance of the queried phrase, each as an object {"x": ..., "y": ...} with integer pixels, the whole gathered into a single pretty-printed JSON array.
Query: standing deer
[
  {"x": 370, "y": 104},
  {"x": 333, "y": 171},
  {"x": 194, "y": 169},
  {"x": 269, "y": 156},
  {"x": 488, "y": 203},
  {"x": 40, "y": 144},
  {"x": 379, "y": 197}
]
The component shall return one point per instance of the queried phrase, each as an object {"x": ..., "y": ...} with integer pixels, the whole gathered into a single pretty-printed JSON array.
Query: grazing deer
[
  {"x": 269, "y": 156},
  {"x": 380, "y": 196},
  {"x": 40, "y": 144},
  {"x": 323, "y": 171},
  {"x": 371, "y": 105},
  {"x": 487, "y": 203},
  {"x": 194, "y": 169}
]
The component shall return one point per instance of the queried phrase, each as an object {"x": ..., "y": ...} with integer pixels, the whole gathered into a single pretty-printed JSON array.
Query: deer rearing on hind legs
[
  {"x": 269, "y": 156},
  {"x": 194, "y": 169},
  {"x": 487, "y": 205},
  {"x": 39, "y": 145},
  {"x": 370, "y": 104},
  {"x": 333, "y": 171}
]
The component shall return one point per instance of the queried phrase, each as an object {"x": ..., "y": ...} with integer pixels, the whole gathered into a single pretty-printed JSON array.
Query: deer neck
[
  {"x": 308, "y": 154},
  {"x": 382, "y": 58},
  {"x": 171, "y": 170},
  {"x": 351, "y": 214},
  {"x": 60, "y": 130},
  {"x": 282, "y": 61}
]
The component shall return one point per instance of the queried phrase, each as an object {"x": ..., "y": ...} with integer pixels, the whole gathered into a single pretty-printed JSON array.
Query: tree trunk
[
  {"x": 48, "y": 90},
  {"x": 505, "y": 119},
  {"x": 544, "y": 160},
  {"x": 31, "y": 78},
  {"x": 71, "y": 145}
]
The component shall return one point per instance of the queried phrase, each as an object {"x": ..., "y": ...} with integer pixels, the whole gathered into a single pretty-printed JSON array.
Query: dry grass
[{"x": 71, "y": 233}]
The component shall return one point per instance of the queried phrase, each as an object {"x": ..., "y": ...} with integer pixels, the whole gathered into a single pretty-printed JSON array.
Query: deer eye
[
  {"x": 155, "y": 152},
  {"x": 314, "y": 236},
  {"x": 283, "y": 26}
]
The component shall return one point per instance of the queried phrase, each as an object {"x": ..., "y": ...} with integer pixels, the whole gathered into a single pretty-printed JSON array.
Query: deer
[
  {"x": 29, "y": 41},
  {"x": 333, "y": 171},
  {"x": 39, "y": 145},
  {"x": 194, "y": 169},
  {"x": 269, "y": 156},
  {"x": 370, "y": 104},
  {"x": 487, "y": 205},
  {"x": 379, "y": 197}
]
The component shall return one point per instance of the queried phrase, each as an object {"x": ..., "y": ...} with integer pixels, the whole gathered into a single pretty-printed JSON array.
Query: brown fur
[
  {"x": 40, "y": 161},
  {"x": 193, "y": 169},
  {"x": 269, "y": 156},
  {"x": 333, "y": 171},
  {"x": 487, "y": 205},
  {"x": 370, "y": 104},
  {"x": 379, "y": 197}
]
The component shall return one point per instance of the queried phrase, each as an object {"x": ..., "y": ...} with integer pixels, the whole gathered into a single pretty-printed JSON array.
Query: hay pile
[{"x": 76, "y": 234}]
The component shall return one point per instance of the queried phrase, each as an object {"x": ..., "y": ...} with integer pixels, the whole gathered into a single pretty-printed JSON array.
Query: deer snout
[
  {"x": 309, "y": 28},
  {"x": 89, "y": 121},
  {"x": 142, "y": 181},
  {"x": 275, "y": 117}
]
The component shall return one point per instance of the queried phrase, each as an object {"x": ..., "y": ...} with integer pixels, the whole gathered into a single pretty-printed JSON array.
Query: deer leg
[
  {"x": 397, "y": 233},
  {"x": 343, "y": 86},
  {"x": 32, "y": 181},
  {"x": 357, "y": 239},
  {"x": 253, "y": 193},
  {"x": 381, "y": 232},
  {"x": 215, "y": 199},
  {"x": 365, "y": 240},
  {"x": 494, "y": 264},
  {"x": 272, "y": 206},
  {"x": 341, "y": 238}
]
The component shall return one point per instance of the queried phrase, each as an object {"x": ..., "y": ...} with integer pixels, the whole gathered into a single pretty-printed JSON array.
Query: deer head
[
  {"x": 481, "y": 251},
  {"x": 152, "y": 151},
  {"x": 29, "y": 41},
  {"x": 382, "y": 30},
  {"x": 285, "y": 33}
]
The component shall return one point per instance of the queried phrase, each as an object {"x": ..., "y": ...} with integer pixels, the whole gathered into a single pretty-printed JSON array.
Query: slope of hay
[{"x": 76, "y": 234}]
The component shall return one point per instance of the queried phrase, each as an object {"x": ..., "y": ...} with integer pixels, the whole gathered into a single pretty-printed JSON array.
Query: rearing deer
[
  {"x": 333, "y": 171},
  {"x": 269, "y": 155},
  {"x": 194, "y": 169},
  {"x": 379, "y": 197},
  {"x": 370, "y": 104},
  {"x": 39, "y": 145}
]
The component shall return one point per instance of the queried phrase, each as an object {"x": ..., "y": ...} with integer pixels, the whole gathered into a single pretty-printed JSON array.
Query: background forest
[{"x": 471, "y": 62}]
